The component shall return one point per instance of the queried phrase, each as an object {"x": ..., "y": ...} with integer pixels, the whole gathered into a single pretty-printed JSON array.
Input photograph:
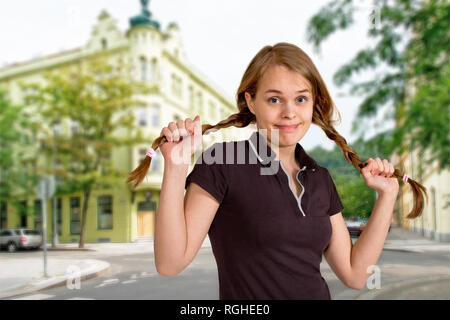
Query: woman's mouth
[{"x": 291, "y": 127}]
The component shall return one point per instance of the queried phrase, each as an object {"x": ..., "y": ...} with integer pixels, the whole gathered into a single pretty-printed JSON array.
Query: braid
[
  {"x": 351, "y": 157},
  {"x": 240, "y": 120}
]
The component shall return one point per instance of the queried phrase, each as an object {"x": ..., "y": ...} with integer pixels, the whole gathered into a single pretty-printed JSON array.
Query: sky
[{"x": 220, "y": 39}]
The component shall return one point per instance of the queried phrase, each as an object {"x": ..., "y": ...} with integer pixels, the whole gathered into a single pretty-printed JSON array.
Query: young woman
[{"x": 270, "y": 210}]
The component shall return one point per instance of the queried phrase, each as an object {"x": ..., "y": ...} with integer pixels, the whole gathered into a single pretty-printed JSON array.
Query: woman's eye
[{"x": 271, "y": 99}]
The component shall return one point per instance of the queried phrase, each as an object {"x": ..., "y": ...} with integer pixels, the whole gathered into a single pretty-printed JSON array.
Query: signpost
[{"x": 45, "y": 190}]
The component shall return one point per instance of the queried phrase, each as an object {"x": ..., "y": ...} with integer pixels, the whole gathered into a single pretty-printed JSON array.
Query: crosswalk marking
[
  {"x": 107, "y": 282},
  {"x": 128, "y": 281},
  {"x": 145, "y": 274}
]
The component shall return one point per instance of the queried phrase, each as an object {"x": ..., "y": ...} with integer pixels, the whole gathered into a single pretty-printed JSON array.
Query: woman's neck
[{"x": 286, "y": 154}]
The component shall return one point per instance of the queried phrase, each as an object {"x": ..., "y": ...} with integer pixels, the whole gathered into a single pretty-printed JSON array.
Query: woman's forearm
[
  {"x": 170, "y": 226},
  {"x": 367, "y": 249}
]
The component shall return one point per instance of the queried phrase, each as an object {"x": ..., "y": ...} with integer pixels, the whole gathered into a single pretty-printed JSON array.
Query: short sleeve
[
  {"x": 335, "y": 201},
  {"x": 211, "y": 177}
]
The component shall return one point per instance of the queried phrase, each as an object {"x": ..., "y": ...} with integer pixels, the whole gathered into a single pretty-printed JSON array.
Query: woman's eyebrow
[{"x": 278, "y": 91}]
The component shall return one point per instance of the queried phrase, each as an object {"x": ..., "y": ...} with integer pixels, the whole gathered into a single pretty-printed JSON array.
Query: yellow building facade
[
  {"x": 434, "y": 223},
  {"x": 181, "y": 90}
]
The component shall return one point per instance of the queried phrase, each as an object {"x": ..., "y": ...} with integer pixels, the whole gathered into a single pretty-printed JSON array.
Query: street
[{"x": 133, "y": 276}]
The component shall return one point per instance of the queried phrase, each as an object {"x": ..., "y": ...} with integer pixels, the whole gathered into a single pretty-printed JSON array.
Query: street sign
[
  {"x": 45, "y": 190},
  {"x": 46, "y": 187}
]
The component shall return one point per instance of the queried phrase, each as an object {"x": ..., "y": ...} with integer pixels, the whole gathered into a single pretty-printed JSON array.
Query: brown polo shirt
[{"x": 267, "y": 241}]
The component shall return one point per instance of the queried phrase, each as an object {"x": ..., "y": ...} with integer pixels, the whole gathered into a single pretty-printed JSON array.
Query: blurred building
[
  {"x": 181, "y": 90},
  {"x": 434, "y": 223}
]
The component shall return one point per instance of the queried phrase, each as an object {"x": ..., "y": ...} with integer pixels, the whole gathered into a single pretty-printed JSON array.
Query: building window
[
  {"x": 142, "y": 155},
  {"x": 155, "y": 165},
  {"x": 153, "y": 67},
  {"x": 143, "y": 68},
  {"x": 105, "y": 212},
  {"x": 75, "y": 215},
  {"x": 191, "y": 96},
  {"x": 155, "y": 115},
  {"x": 177, "y": 85},
  {"x": 58, "y": 216},
  {"x": 23, "y": 213},
  {"x": 142, "y": 116},
  {"x": 104, "y": 44},
  {"x": 180, "y": 88},
  {"x": 37, "y": 215},
  {"x": 212, "y": 111},
  {"x": 3, "y": 215},
  {"x": 199, "y": 105},
  {"x": 176, "y": 90}
]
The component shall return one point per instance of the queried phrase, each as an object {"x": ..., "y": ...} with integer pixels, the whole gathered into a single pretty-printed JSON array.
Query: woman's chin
[{"x": 287, "y": 139}]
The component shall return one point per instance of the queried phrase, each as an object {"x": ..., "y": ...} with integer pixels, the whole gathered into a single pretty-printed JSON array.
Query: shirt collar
[{"x": 265, "y": 154}]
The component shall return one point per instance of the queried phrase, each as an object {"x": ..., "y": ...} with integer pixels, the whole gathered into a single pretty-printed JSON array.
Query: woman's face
[{"x": 288, "y": 109}]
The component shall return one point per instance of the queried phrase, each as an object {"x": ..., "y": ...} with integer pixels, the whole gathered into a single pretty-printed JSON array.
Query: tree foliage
[
  {"x": 358, "y": 199},
  {"x": 409, "y": 57},
  {"x": 86, "y": 111},
  {"x": 16, "y": 164}
]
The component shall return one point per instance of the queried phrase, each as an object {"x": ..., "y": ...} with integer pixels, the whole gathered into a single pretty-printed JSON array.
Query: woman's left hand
[{"x": 377, "y": 174}]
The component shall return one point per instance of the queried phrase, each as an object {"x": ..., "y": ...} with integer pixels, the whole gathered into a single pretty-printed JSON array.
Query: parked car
[
  {"x": 21, "y": 238},
  {"x": 355, "y": 227}
]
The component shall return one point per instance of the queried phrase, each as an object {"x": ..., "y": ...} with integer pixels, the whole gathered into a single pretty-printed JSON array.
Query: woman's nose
[{"x": 288, "y": 111}]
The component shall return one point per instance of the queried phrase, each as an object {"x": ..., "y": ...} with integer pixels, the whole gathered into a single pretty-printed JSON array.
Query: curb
[
  {"x": 418, "y": 249},
  {"x": 373, "y": 294},
  {"x": 95, "y": 270},
  {"x": 402, "y": 250},
  {"x": 68, "y": 249}
]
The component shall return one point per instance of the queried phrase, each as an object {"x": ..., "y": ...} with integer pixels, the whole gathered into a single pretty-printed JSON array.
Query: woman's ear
[{"x": 249, "y": 100}]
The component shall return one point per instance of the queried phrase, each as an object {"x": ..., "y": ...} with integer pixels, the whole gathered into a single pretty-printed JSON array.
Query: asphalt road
[{"x": 134, "y": 277}]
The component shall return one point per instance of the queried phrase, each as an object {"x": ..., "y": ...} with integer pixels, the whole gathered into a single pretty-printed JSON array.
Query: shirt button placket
[{"x": 302, "y": 182}]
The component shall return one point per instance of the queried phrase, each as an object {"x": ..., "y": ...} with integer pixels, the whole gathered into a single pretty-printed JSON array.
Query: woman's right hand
[{"x": 183, "y": 139}]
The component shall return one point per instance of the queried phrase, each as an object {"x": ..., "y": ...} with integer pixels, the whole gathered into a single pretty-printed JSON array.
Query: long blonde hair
[{"x": 295, "y": 59}]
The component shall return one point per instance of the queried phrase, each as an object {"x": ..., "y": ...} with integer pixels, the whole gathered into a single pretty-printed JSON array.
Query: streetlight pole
[
  {"x": 45, "y": 190},
  {"x": 54, "y": 224},
  {"x": 44, "y": 234},
  {"x": 54, "y": 204}
]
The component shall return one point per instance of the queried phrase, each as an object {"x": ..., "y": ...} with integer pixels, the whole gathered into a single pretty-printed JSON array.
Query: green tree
[
  {"x": 97, "y": 100},
  {"x": 358, "y": 199},
  {"x": 16, "y": 174},
  {"x": 410, "y": 53}
]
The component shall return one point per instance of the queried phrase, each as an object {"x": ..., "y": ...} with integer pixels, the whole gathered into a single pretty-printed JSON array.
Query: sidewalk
[
  {"x": 26, "y": 275},
  {"x": 20, "y": 274},
  {"x": 405, "y": 240},
  {"x": 435, "y": 287}
]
